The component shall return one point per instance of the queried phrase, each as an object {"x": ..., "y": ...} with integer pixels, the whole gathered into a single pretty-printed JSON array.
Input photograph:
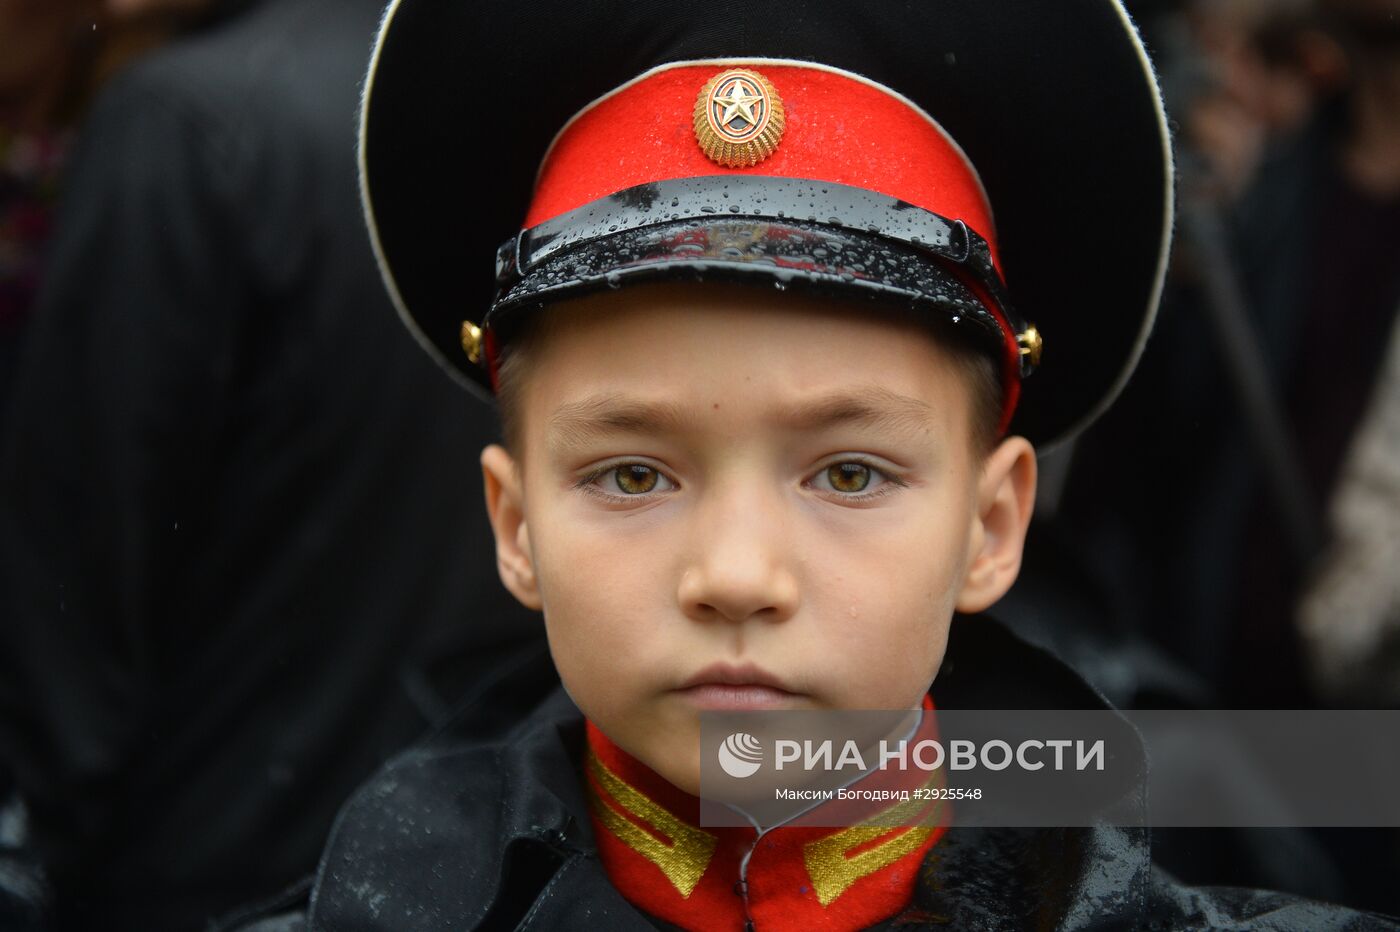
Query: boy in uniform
[{"x": 762, "y": 354}]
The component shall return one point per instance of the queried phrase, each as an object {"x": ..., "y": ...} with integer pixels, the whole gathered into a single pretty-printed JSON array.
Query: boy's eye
[
  {"x": 636, "y": 479},
  {"x": 856, "y": 480},
  {"x": 626, "y": 479},
  {"x": 848, "y": 477}
]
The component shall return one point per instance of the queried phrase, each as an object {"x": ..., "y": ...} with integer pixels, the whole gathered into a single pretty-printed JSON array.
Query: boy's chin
[{"x": 681, "y": 771}]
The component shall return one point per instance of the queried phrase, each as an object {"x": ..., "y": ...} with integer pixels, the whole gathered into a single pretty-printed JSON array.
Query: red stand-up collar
[{"x": 798, "y": 877}]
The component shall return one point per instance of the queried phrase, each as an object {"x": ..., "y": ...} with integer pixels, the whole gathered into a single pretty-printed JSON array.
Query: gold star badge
[{"x": 739, "y": 118}]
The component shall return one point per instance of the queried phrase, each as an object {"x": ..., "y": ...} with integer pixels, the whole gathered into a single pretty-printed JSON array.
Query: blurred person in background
[
  {"x": 43, "y": 69},
  {"x": 1315, "y": 236},
  {"x": 1256, "y": 538},
  {"x": 242, "y": 555},
  {"x": 1350, "y": 609},
  {"x": 56, "y": 54},
  {"x": 1290, "y": 132},
  {"x": 1261, "y": 66}
]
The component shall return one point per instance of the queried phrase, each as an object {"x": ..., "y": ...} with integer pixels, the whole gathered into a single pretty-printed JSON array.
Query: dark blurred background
[
  {"x": 243, "y": 550},
  {"x": 243, "y": 557},
  {"x": 1228, "y": 535}
]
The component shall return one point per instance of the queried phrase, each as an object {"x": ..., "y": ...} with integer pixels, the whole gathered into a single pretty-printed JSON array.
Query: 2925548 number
[{"x": 930, "y": 793}]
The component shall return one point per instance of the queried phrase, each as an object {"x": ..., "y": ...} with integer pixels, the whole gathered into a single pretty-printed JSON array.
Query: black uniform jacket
[{"x": 480, "y": 831}]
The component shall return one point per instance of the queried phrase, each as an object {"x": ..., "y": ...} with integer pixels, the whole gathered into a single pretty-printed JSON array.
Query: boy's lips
[{"x": 727, "y": 687}]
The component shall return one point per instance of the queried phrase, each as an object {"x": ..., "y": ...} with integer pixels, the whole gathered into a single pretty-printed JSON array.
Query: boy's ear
[
  {"x": 505, "y": 505},
  {"x": 1005, "y": 499}
]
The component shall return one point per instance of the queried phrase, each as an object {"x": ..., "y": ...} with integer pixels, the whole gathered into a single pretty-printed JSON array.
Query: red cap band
[{"x": 840, "y": 128}]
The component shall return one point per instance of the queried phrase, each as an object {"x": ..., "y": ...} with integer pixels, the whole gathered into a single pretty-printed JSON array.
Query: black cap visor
[{"x": 760, "y": 231}]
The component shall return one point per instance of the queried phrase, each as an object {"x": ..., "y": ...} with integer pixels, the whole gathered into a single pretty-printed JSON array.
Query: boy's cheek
[
  {"x": 889, "y": 666},
  {"x": 664, "y": 736},
  {"x": 603, "y": 623},
  {"x": 881, "y": 630}
]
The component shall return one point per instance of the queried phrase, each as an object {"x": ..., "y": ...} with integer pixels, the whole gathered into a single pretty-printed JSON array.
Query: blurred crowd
[
  {"x": 244, "y": 555},
  {"x": 242, "y": 552},
  {"x": 1233, "y": 523},
  {"x": 1254, "y": 537}
]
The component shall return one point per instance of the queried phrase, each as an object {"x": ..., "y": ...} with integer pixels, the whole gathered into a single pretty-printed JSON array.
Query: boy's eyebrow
[
  {"x": 577, "y": 421},
  {"x": 867, "y": 405}
]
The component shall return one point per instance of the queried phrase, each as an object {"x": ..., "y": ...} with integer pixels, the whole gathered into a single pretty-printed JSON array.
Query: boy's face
[{"x": 727, "y": 500}]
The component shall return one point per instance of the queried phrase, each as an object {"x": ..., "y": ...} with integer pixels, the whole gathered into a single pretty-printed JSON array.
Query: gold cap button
[
  {"x": 471, "y": 340},
  {"x": 1031, "y": 344}
]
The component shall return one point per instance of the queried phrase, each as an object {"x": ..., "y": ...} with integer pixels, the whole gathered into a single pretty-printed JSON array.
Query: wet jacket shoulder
[{"x": 495, "y": 834}]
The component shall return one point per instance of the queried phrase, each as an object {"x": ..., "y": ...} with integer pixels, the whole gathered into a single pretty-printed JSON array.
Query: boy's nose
[{"x": 740, "y": 566}]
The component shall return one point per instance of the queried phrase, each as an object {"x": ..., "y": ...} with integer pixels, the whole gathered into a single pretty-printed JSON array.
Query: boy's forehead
[
  {"x": 700, "y": 325},
  {"x": 669, "y": 358}
]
